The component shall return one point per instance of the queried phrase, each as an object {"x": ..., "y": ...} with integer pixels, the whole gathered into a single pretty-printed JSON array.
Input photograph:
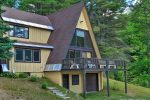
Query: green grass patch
[{"x": 117, "y": 92}]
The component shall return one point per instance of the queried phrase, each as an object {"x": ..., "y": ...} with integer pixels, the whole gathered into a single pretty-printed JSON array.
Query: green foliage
[
  {"x": 10, "y": 75},
  {"x": 44, "y": 85},
  {"x": 5, "y": 43},
  {"x": 23, "y": 75},
  {"x": 44, "y": 7},
  {"x": 33, "y": 79}
]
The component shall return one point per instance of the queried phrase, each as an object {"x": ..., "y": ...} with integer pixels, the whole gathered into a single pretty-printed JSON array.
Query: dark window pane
[
  {"x": 80, "y": 38},
  {"x": 75, "y": 79},
  {"x": 77, "y": 54},
  {"x": 28, "y": 55},
  {"x": 19, "y": 55},
  {"x": 21, "y": 32},
  {"x": 88, "y": 42},
  {"x": 36, "y": 55},
  {"x": 72, "y": 54},
  {"x": 73, "y": 42}
]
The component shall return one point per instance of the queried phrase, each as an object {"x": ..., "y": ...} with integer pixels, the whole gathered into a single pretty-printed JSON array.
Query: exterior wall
[
  {"x": 35, "y": 35},
  {"x": 84, "y": 23},
  {"x": 34, "y": 68},
  {"x": 55, "y": 77},
  {"x": 81, "y": 22},
  {"x": 75, "y": 88}
]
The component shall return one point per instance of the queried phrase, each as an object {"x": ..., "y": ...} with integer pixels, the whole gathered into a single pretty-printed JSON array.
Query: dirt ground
[{"x": 5, "y": 96}]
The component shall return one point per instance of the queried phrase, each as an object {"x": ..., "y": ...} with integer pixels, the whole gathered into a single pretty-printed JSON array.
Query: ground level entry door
[
  {"x": 65, "y": 81},
  {"x": 91, "y": 82}
]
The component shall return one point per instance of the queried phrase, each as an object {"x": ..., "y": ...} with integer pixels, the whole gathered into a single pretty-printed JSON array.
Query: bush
[
  {"x": 44, "y": 85},
  {"x": 34, "y": 79},
  {"x": 10, "y": 75},
  {"x": 23, "y": 75}
]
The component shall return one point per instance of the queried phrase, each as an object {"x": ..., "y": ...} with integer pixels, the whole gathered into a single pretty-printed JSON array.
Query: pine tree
[
  {"x": 108, "y": 20},
  {"x": 5, "y": 42}
]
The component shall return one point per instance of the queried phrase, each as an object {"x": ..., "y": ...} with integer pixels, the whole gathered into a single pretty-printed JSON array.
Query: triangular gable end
[{"x": 84, "y": 23}]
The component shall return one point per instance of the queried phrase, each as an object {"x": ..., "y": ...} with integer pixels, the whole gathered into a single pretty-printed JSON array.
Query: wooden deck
[{"x": 93, "y": 64}]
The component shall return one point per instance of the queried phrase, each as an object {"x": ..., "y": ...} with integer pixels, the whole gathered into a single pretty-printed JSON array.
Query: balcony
[{"x": 93, "y": 64}]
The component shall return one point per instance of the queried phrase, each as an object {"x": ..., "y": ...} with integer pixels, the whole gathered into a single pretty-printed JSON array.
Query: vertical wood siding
[
  {"x": 29, "y": 67},
  {"x": 35, "y": 35}
]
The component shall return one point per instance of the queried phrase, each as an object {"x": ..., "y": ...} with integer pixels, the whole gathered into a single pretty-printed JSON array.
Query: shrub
[
  {"x": 34, "y": 79},
  {"x": 10, "y": 75},
  {"x": 44, "y": 85},
  {"x": 23, "y": 75}
]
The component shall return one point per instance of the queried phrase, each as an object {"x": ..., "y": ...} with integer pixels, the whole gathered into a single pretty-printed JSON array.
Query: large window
[
  {"x": 74, "y": 54},
  {"x": 20, "y": 32},
  {"x": 27, "y": 55},
  {"x": 81, "y": 39},
  {"x": 75, "y": 79}
]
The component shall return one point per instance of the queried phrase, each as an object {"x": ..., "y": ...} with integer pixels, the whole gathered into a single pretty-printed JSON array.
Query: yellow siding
[
  {"x": 84, "y": 23},
  {"x": 55, "y": 77},
  {"x": 81, "y": 22},
  {"x": 75, "y": 88},
  {"x": 35, "y": 35},
  {"x": 30, "y": 67}
]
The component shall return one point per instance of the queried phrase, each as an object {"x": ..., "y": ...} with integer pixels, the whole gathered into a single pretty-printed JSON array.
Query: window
[
  {"x": 36, "y": 55},
  {"x": 81, "y": 38},
  {"x": 27, "y": 55},
  {"x": 20, "y": 32},
  {"x": 86, "y": 55},
  {"x": 74, "y": 54},
  {"x": 75, "y": 79},
  {"x": 19, "y": 55}
]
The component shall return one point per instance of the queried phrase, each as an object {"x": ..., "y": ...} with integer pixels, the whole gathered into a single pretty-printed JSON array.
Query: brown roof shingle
[
  {"x": 26, "y": 16},
  {"x": 64, "y": 23}
]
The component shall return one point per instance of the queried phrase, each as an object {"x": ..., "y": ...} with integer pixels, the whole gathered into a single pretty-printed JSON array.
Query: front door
[
  {"x": 91, "y": 82},
  {"x": 66, "y": 81}
]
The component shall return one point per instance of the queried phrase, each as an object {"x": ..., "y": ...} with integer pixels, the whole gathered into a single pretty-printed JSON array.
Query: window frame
[
  {"x": 86, "y": 37},
  {"x": 25, "y": 55},
  {"x": 13, "y": 29},
  {"x": 16, "y": 55},
  {"x": 32, "y": 58},
  {"x": 39, "y": 55},
  {"x": 74, "y": 80}
]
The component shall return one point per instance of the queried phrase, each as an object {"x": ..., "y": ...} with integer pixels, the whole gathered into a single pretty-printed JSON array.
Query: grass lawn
[
  {"x": 117, "y": 92},
  {"x": 23, "y": 89}
]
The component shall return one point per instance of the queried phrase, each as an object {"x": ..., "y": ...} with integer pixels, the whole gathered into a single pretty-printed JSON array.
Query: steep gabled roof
[
  {"x": 26, "y": 18},
  {"x": 64, "y": 23}
]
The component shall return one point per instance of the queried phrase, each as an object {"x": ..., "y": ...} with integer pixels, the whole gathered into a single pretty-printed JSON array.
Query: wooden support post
[
  {"x": 125, "y": 77},
  {"x": 84, "y": 84},
  {"x": 107, "y": 77},
  {"x": 84, "y": 79},
  {"x": 125, "y": 80}
]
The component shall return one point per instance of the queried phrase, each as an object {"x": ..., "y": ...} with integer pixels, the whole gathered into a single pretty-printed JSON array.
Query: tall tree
[
  {"x": 138, "y": 38},
  {"x": 5, "y": 42},
  {"x": 44, "y": 7},
  {"x": 108, "y": 19}
]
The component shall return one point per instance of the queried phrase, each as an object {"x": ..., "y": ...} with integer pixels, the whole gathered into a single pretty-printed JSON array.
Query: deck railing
[{"x": 93, "y": 64}]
